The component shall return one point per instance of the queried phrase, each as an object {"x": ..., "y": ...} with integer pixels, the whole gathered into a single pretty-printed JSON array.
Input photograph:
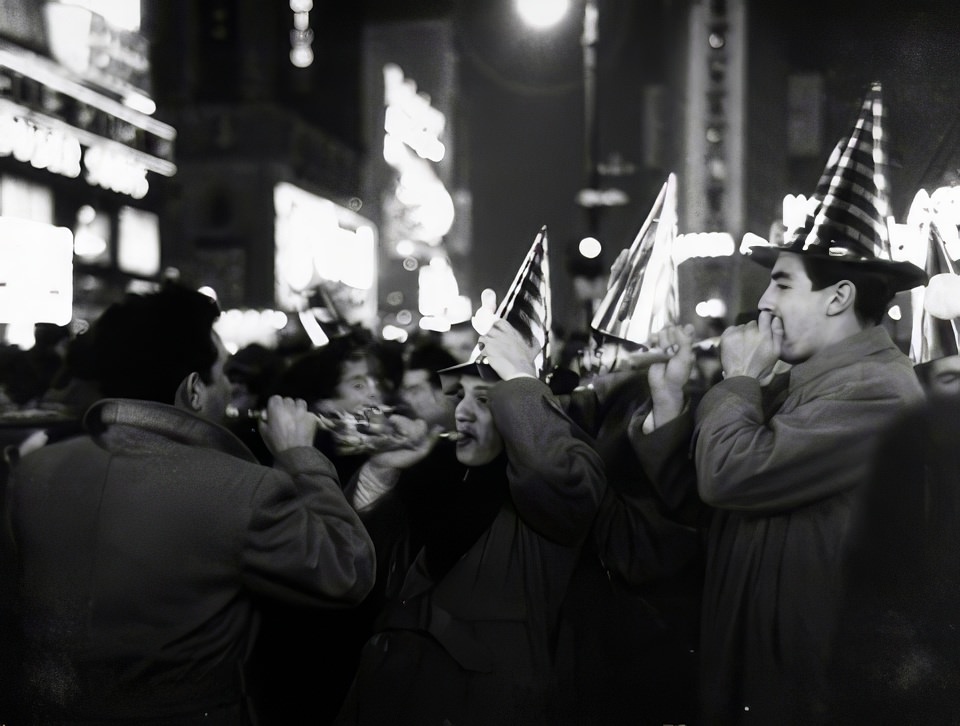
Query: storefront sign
[
  {"x": 45, "y": 118},
  {"x": 90, "y": 46},
  {"x": 36, "y": 272},
  {"x": 56, "y": 148},
  {"x": 319, "y": 243}
]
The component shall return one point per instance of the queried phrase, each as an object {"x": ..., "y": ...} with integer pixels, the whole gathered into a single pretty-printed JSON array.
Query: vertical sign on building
[{"x": 714, "y": 191}]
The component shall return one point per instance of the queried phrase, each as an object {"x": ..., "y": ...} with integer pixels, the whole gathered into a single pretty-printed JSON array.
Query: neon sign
[
  {"x": 113, "y": 168},
  {"x": 410, "y": 117},
  {"x": 49, "y": 149},
  {"x": 105, "y": 164}
]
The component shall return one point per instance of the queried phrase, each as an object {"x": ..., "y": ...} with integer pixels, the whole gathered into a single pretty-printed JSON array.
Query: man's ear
[
  {"x": 842, "y": 298},
  {"x": 190, "y": 392}
]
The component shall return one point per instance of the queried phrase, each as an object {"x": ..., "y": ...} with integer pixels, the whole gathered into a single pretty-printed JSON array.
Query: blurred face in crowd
[
  {"x": 943, "y": 376},
  {"x": 426, "y": 400},
  {"x": 479, "y": 442},
  {"x": 460, "y": 341},
  {"x": 802, "y": 310},
  {"x": 357, "y": 388}
]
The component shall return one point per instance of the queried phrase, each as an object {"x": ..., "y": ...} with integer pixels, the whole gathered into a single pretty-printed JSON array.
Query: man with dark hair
[
  {"x": 470, "y": 632},
  {"x": 420, "y": 388},
  {"x": 141, "y": 545},
  {"x": 781, "y": 459}
]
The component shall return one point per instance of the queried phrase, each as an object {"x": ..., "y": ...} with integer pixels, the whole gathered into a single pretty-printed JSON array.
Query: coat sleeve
[
  {"x": 556, "y": 477},
  {"x": 304, "y": 542},
  {"x": 665, "y": 456},
  {"x": 819, "y": 444},
  {"x": 646, "y": 528}
]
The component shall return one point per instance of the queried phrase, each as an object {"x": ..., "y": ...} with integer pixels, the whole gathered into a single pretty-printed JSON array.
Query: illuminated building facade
[
  {"x": 411, "y": 85},
  {"x": 81, "y": 160},
  {"x": 757, "y": 94},
  {"x": 266, "y": 209}
]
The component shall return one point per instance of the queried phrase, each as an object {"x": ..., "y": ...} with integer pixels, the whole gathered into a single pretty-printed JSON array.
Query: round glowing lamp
[{"x": 542, "y": 13}]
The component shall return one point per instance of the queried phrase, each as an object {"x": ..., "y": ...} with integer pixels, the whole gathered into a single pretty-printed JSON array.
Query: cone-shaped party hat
[
  {"x": 642, "y": 296},
  {"x": 936, "y": 306},
  {"x": 848, "y": 223},
  {"x": 526, "y": 306}
]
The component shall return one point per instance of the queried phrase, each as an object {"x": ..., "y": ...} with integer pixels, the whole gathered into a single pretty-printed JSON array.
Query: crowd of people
[
  {"x": 372, "y": 533},
  {"x": 366, "y": 533}
]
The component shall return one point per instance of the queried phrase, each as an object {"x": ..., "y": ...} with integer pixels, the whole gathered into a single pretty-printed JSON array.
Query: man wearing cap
[
  {"x": 780, "y": 458},
  {"x": 470, "y": 635}
]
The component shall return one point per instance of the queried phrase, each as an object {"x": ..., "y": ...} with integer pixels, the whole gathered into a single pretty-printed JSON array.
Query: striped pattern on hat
[
  {"x": 527, "y": 306},
  {"x": 850, "y": 216}
]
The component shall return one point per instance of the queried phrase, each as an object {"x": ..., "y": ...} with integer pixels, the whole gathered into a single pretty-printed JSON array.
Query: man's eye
[{"x": 483, "y": 400}]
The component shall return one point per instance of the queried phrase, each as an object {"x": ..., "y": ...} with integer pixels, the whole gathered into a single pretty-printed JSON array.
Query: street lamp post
[
  {"x": 591, "y": 130},
  {"x": 592, "y": 198}
]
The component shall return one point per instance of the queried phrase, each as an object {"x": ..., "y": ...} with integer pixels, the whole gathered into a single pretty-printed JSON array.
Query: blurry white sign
[
  {"x": 36, "y": 272},
  {"x": 319, "y": 242}
]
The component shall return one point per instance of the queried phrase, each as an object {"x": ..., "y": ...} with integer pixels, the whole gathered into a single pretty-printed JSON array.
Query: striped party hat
[
  {"x": 849, "y": 222},
  {"x": 526, "y": 306}
]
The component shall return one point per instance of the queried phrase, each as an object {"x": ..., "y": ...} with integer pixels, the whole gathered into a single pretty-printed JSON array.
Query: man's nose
[{"x": 766, "y": 301}]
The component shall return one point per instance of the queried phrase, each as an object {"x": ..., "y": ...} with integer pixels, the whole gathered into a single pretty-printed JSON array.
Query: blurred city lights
[
  {"x": 312, "y": 328},
  {"x": 301, "y": 56},
  {"x": 703, "y": 244},
  {"x": 438, "y": 287},
  {"x": 36, "y": 272},
  {"x": 712, "y": 308},
  {"x": 119, "y": 13},
  {"x": 542, "y": 13},
  {"x": 435, "y": 324},
  {"x": 392, "y": 332}
]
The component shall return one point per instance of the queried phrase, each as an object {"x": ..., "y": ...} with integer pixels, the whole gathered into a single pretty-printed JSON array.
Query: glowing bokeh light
[
  {"x": 541, "y": 14},
  {"x": 590, "y": 247}
]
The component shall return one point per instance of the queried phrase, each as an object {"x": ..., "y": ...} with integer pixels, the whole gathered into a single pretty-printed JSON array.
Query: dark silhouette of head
[{"x": 145, "y": 345}]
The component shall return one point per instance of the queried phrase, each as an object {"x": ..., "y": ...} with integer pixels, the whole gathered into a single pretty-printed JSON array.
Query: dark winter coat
[
  {"x": 140, "y": 548},
  {"x": 476, "y": 644},
  {"x": 783, "y": 476}
]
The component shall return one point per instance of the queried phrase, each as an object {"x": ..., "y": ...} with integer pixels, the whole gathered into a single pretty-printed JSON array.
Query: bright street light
[
  {"x": 542, "y": 13},
  {"x": 590, "y": 247}
]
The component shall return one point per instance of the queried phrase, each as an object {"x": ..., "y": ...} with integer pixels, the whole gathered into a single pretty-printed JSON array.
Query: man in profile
[
  {"x": 783, "y": 457},
  {"x": 781, "y": 460},
  {"x": 142, "y": 544}
]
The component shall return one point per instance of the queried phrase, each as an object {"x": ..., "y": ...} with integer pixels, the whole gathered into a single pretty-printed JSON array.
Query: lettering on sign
[{"x": 50, "y": 149}]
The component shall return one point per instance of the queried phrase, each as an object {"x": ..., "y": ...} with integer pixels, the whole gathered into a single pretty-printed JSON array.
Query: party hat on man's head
[
  {"x": 936, "y": 306},
  {"x": 526, "y": 306},
  {"x": 848, "y": 223},
  {"x": 642, "y": 295}
]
